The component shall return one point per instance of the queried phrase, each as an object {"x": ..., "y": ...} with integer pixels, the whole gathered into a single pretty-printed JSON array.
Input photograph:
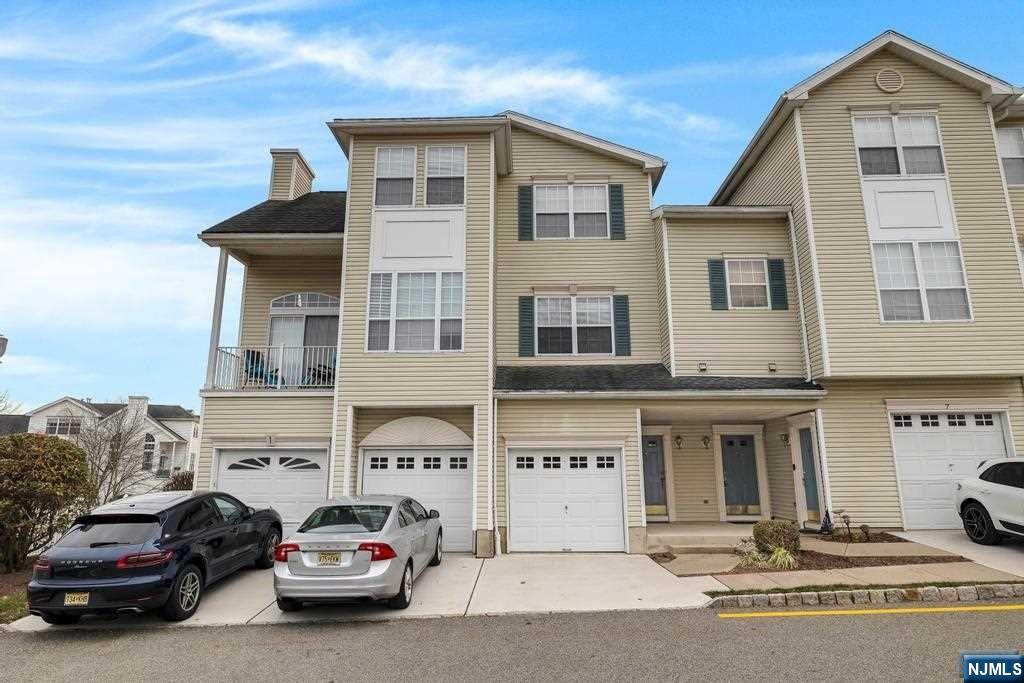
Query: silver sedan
[{"x": 358, "y": 548}]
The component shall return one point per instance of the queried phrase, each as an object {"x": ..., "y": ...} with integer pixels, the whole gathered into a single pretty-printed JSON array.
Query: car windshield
[
  {"x": 346, "y": 519},
  {"x": 98, "y": 532}
]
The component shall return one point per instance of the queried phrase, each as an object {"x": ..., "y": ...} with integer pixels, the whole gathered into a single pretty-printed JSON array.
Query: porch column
[{"x": 218, "y": 315}]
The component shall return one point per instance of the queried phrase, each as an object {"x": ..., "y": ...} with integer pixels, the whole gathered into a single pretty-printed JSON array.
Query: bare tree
[
  {"x": 118, "y": 458},
  {"x": 7, "y": 404}
]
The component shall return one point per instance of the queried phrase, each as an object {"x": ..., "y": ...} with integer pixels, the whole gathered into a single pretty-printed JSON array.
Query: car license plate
[
  {"x": 329, "y": 559},
  {"x": 76, "y": 599}
]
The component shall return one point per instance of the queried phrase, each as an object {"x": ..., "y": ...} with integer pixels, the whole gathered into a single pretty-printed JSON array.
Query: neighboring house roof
[
  {"x": 13, "y": 424},
  {"x": 314, "y": 212},
  {"x": 640, "y": 378},
  {"x": 995, "y": 90},
  {"x": 155, "y": 412}
]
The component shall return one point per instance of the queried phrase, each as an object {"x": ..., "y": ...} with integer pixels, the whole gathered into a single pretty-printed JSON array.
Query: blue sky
[{"x": 128, "y": 129}]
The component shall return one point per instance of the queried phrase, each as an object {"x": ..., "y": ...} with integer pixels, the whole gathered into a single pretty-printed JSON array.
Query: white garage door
[
  {"x": 933, "y": 451},
  {"x": 565, "y": 499},
  {"x": 293, "y": 482},
  {"x": 440, "y": 479}
]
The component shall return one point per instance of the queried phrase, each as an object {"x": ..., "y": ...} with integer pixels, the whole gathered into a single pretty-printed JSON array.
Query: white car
[{"x": 991, "y": 505}]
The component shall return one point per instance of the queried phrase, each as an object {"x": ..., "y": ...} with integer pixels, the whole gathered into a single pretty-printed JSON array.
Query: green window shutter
[
  {"x": 716, "y": 280},
  {"x": 525, "y": 214},
  {"x": 620, "y": 309},
  {"x": 526, "y": 326},
  {"x": 777, "y": 284},
  {"x": 616, "y": 212}
]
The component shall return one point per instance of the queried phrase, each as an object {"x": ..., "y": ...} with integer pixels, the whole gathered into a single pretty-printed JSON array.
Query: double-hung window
[
  {"x": 1011, "y": 151},
  {"x": 446, "y": 176},
  {"x": 396, "y": 176},
  {"x": 574, "y": 325},
  {"x": 570, "y": 211},
  {"x": 900, "y": 145},
  {"x": 748, "y": 283},
  {"x": 921, "y": 281},
  {"x": 415, "y": 312},
  {"x": 63, "y": 425}
]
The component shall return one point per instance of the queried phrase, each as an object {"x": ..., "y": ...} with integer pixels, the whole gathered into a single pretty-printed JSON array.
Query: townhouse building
[{"x": 497, "y": 318}]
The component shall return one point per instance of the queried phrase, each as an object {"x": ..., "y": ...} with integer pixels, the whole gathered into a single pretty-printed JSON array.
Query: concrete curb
[{"x": 875, "y": 596}]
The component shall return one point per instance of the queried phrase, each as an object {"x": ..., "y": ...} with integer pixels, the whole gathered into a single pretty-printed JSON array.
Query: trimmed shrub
[
  {"x": 776, "y": 533},
  {"x": 179, "y": 481},
  {"x": 43, "y": 486}
]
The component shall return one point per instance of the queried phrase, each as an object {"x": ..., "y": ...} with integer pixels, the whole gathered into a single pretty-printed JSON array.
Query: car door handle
[{"x": 984, "y": 490}]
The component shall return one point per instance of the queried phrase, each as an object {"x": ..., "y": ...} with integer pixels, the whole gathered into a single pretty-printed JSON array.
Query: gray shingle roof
[
  {"x": 157, "y": 411},
  {"x": 13, "y": 424},
  {"x": 312, "y": 212},
  {"x": 640, "y": 377}
]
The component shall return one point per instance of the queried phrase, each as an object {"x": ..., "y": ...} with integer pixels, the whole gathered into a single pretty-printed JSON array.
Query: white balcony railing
[{"x": 270, "y": 368}]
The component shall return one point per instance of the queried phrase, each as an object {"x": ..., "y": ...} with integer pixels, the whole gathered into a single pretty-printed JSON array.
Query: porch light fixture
[
  {"x": 678, "y": 441},
  {"x": 784, "y": 438},
  {"x": 706, "y": 441},
  {"x": 772, "y": 367},
  {"x": 702, "y": 366}
]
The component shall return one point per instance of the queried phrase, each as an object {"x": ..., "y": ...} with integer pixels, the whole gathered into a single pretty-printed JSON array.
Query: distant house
[
  {"x": 13, "y": 424},
  {"x": 171, "y": 436}
]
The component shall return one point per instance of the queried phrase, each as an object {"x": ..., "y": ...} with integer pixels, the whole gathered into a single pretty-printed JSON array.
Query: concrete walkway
[
  {"x": 461, "y": 585},
  {"x": 895, "y": 575},
  {"x": 1008, "y": 556}
]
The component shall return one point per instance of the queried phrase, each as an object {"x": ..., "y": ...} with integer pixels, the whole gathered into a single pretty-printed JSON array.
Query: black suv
[{"x": 155, "y": 551}]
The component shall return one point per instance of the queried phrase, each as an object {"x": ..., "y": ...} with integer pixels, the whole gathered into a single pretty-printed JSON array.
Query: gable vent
[{"x": 889, "y": 80}]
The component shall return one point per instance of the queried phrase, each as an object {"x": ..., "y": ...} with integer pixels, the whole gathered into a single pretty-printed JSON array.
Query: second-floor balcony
[{"x": 274, "y": 368}]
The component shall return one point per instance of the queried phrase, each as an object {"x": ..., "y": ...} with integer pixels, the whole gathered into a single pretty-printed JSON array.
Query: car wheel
[
  {"x": 404, "y": 597},
  {"x": 436, "y": 559},
  {"x": 978, "y": 525},
  {"x": 61, "y": 618},
  {"x": 186, "y": 592},
  {"x": 265, "y": 558},
  {"x": 288, "y": 604}
]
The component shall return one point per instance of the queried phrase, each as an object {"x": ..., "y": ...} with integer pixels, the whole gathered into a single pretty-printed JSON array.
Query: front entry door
[
  {"x": 739, "y": 475},
  {"x": 654, "y": 477},
  {"x": 810, "y": 475}
]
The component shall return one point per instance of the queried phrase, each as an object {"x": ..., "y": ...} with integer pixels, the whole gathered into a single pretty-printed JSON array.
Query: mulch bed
[
  {"x": 809, "y": 559},
  {"x": 15, "y": 581},
  {"x": 858, "y": 537}
]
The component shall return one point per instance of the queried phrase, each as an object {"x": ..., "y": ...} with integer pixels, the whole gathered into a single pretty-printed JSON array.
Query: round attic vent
[{"x": 889, "y": 80}]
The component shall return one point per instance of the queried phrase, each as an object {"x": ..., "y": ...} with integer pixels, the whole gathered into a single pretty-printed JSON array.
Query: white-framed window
[
  {"x": 163, "y": 465},
  {"x": 446, "y": 176},
  {"x": 921, "y": 281},
  {"x": 572, "y": 325},
  {"x": 431, "y": 462},
  {"x": 415, "y": 312},
  {"x": 1011, "y": 152},
  {"x": 405, "y": 462},
  {"x": 395, "y": 176},
  {"x": 902, "y": 420},
  {"x": 570, "y": 211},
  {"x": 63, "y": 425},
  {"x": 898, "y": 145},
  {"x": 747, "y": 281},
  {"x": 148, "y": 448}
]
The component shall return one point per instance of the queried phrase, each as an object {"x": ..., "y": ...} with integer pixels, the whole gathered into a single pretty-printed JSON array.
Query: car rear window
[
  {"x": 346, "y": 519},
  {"x": 98, "y": 531}
]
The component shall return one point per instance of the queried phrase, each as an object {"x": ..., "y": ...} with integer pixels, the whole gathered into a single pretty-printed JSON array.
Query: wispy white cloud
[
  {"x": 763, "y": 67},
  {"x": 15, "y": 365}
]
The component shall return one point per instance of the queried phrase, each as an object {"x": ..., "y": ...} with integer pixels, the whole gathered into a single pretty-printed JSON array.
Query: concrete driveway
[
  {"x": 461, "y": 585},
  {"x": 1007, "y": 557}
]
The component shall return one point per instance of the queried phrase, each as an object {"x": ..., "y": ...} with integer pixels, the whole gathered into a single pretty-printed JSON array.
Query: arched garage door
[{"x": 293, "y": 482}]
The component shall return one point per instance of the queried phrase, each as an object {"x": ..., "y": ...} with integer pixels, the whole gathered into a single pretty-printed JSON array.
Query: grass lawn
[{"x": 13, "y": 602}]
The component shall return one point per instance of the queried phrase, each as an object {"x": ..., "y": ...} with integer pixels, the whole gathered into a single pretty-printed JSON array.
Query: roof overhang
[
  {"x": 997, "y": 92},
  {"x": 1011, "y": 110},
  {"x": 242, "y": 245},
  {"x": 346, "y": 129},
  {"x": 670, "y": 211},
  {"x": 69, "y": 399}
]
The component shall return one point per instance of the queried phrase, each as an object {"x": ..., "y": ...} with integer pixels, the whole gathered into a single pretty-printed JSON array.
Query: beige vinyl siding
[
  {"x": 664, "y": 315},
  {"x": 281, "y": 173},
  {"x": 1017, "y": 202},
  {"x": 234, "y": 420},
  {"x": 859, "y": 343},
  {"x": 624, "y": 265},
  {"x": 777, "y": 179},
  {"x": 858, "y": 444},
  {"x": 733, "y": 342},
  {"x": 779, "y": 463},
  {"x": 694, "y": 485},
  {"x": 268, "y": 277},
  {"x": 569, "y": 421}
]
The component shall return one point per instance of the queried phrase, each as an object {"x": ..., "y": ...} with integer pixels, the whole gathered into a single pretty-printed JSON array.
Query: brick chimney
[{"x": 290, "y": 174}]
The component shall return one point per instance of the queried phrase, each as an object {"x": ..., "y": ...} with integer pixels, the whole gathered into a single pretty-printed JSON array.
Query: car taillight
[
  {"x": 42, "y": 564},
  {"x": 281, "y": 551},
  {"x": 379, "y": 551},
  {"x": 144, "y": 559}
]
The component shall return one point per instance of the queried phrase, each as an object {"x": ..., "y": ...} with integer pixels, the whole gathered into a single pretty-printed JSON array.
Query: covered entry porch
[{"x": 730, "y": 462}]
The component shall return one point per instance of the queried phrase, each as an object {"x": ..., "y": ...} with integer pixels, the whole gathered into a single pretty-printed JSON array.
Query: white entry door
[
  {"x": 440, "y": 479},
  {"x": 565, "y": 500},
  {"x": 933, "y": 451},
  {"x": 292, "y": 481}
]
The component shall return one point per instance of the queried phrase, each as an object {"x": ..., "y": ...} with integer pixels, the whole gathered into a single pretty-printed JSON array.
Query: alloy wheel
[
  {"x": 407, "y": 583},
  {"x": 439, "y": 549},
  {"x": 974, "y": 522},
  {"x": 272, "y": 540},
  {"x": 188, "y": 592}
]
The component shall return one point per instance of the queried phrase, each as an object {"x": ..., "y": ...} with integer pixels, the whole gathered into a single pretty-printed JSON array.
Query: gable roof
[
  {"x": 991, "y": 89},
  {"x": 13, "y": 424},
  {"x": 321, "y": 212}
]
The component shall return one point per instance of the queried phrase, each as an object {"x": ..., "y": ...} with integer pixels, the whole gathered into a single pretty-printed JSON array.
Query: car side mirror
[
  {"x": 249, "y": 512},
  {"x": 434, "y": 514}
]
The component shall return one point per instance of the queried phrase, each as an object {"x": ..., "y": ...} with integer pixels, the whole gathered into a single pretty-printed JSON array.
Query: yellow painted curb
[{"x": 881, "y": 610}]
